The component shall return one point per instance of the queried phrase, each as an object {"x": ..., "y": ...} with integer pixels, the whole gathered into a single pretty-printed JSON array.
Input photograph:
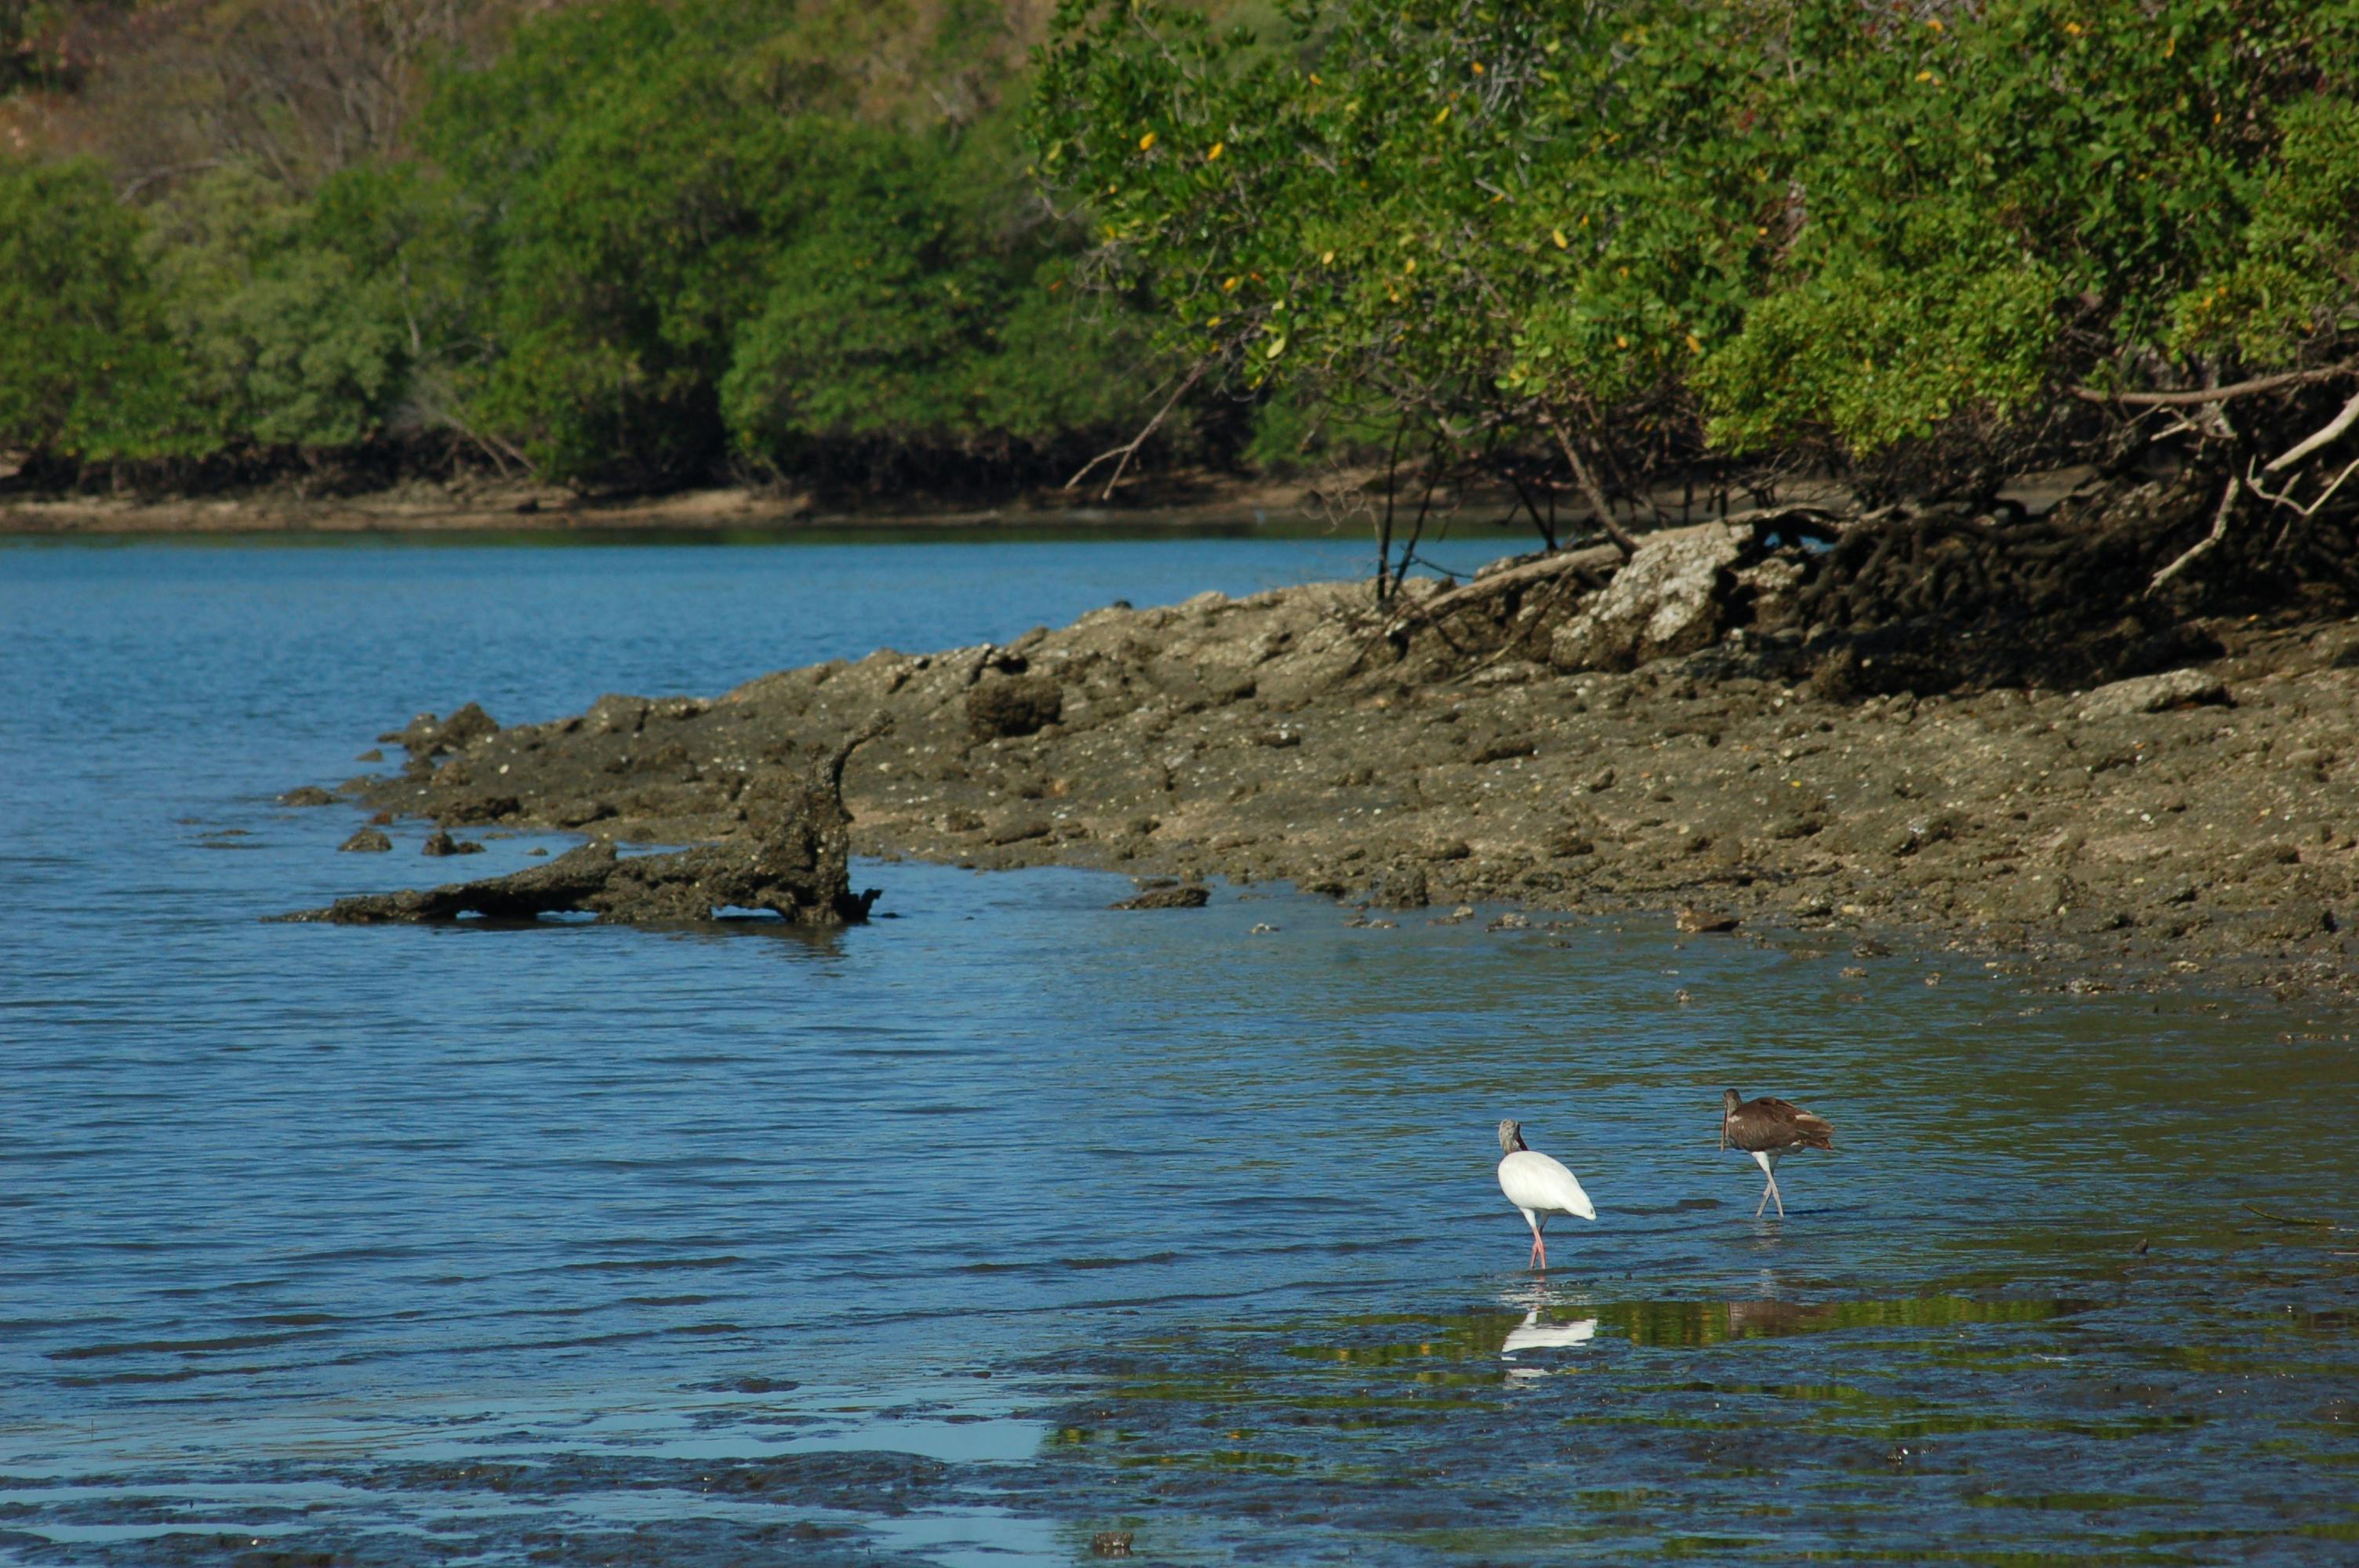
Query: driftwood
[
  {"x": 2203, "y": 394},
  {"x": 1598, "y": 563}
]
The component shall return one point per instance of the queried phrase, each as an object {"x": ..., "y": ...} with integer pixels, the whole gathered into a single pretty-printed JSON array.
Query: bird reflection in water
[{"x": 1533, "y": 1334}]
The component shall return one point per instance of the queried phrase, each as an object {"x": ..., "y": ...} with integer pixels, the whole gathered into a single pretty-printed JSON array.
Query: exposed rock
[
  {"x": 440, "y": 842},
  {"x": 366, "y": 841},
  {"x": 1013, "y": 705},
  {"x": 1186, "y": 896},
  {"x": 1402, "y": 886},
  {"x": 1775, "y": 585},
  {"x": 1670, "y": 599},
  {"x": 2153, "y": 693},
  {"x": 308, "y": 794},
  {"x": 1695, "y": 921},
  {"x": 1909, "y": 795},
  {"x": 791, "y": 858},
  {"x": 426, "y": 737}
]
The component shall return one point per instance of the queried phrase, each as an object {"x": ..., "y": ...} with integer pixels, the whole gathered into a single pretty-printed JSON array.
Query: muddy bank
[
  {"x": 491, "y": 506},
  {"x": 1540, "y": 739}
]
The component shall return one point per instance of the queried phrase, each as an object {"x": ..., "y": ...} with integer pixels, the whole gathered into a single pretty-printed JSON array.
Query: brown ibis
[{"x": 1767, "y": 1129}]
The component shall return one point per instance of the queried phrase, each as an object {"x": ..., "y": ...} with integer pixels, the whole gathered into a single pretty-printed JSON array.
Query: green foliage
[
  {"x": 651, "y": 241},
  {"x": 1886, "y": 345},
  {"x": 86, "y": 374},
  {"x": 705, "y": 249},
  {"x": 2291, "y": 277},
  {"x": 1794, "y": 218},
  {"x": 288, "y": 342}
]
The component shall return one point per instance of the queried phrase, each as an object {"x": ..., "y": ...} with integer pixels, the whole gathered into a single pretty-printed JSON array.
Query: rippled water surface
[{"x": 1009, "y": 1220}]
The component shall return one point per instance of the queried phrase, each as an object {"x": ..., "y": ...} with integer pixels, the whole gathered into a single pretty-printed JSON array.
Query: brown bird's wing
[{"x": 1773, "y": 1123}]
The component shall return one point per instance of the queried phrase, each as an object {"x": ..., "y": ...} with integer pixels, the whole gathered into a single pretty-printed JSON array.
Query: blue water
[{"x": 1006, "y": 1220}]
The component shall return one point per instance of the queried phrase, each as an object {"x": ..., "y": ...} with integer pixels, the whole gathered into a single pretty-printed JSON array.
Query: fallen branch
[
  {"x": 1595, "y": 560},
  {"x": 1598, "y": 561},
  {"x": 2209, "y": 394},
  {"x": 2292, "y": 1220},
  {"x": 2201, "y": 546}
]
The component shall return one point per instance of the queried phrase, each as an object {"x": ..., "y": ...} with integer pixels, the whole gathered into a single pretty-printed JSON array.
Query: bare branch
[
  {"x": 2289, "y": 503},
  {"x": 1130, "y": 449},
  {"x": 2209, "y": 394},
  {"x": 1588, "y": 482},
  {"x": 2202, "y": 545},
  {"x": 2326, "y": 437}
]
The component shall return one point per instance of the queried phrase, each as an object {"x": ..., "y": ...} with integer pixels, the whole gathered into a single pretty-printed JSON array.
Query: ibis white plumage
[{"x": 1538, "y": 1186}]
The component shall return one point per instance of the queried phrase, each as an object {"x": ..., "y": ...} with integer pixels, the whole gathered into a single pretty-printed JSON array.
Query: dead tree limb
[
  {"x": 1129, "y": 449},
  {"x": 2209, "y": 394},
  {"x": 1589, "y": 488},
  {"x": 1597, "y": 562},
  {"x": 2327, "y": 436},
  {"x": 2202, "y": 546}
]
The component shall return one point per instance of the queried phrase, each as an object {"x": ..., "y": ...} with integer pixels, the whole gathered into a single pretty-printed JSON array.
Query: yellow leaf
[
  {"x": 1621, "y": 342},
  {"x": 1695, "y": 344},
  {"x": 1218, "y": 148},
  {"x": 1411, "y": 266},
  {"x": 1443, "y": 116},
  {"x": 1147, "y": 141},
  {"x": 1924, "y": 76},
  {"x": 1276, "y": 345},
  {"x": 1326, "y": 258},
  {"x": 1557, "y": 236},
  {"x": 1231, "y": 284},
  {"x": 1478, "y": 68}
]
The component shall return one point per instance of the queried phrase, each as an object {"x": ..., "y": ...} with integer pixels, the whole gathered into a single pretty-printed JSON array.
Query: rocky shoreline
[{"x": 2195, "y": 821}]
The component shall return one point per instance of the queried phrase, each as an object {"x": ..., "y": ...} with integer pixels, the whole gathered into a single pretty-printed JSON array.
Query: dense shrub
[
  {"x": 1522, "y": 226},
  {"x": 647, "y": 242}
]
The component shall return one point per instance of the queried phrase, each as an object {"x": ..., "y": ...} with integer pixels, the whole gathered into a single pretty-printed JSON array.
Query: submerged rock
[{"x": 1186, "y": 896}]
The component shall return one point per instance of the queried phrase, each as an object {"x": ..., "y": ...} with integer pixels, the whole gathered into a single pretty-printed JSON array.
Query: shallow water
[{"x": 1007, "y": 1220}]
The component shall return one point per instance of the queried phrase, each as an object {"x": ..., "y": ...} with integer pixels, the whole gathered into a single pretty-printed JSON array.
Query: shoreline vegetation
[
  {"x": 1570, "y": 256},
  {"x": 490, "y": 506},
  {"x": 1847, "y": 279}
]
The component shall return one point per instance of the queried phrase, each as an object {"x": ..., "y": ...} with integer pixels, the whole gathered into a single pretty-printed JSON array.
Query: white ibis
[
  {"x": 1767, "y": 1128},
  {"x": 1538, "y": 1186}
]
